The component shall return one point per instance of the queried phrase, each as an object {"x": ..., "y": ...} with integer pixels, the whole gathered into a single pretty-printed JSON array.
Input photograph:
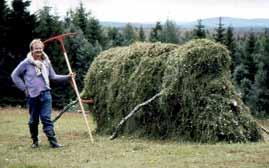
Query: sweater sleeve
[
  {"x": 56, "y": 77},
  {"x": 16, "y": 76}
]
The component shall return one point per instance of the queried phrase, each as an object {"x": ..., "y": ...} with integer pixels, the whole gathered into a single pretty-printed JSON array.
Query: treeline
[{"x": 249, "y": 51}]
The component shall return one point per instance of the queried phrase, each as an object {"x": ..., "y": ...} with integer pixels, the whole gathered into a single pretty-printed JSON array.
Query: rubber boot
[
  {"x": 52, "y": 140},
  {"x": 34, "y": 135}
]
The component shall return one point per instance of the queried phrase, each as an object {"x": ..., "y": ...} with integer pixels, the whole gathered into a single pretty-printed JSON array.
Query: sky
[{"x": 160, "y": 10}]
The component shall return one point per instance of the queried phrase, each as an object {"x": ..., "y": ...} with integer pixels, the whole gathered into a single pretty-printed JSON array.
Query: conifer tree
[
  {"x": 80, "y": 17},
  {"x": 229, "y": 41},
  {"x": 21, "y": 25},
  {"x": 4, "y": 70},
  {"x": 244, "y": 74},
  {"x": 18, "y": 26},
  {"x": 169, "y": 32},
  {"x": 199, "y": 31},
  {"x": 94, "y": 32},
  {"x": 261, "y": 87},
  {"x": 4, "y": 11},
  {"x": 249, "y": 57},
  {"x": 89, "y": 25},
  {"x": 80, "y": 52},
  {"x": 129, "y": 34},
  {"x": 219, "y": 36},
  {"x": 47, "y": 24},
  {"x": 115, "y": 38},
  {"x": 155, "y": 33},
  {"x": 141, "y": 34}
]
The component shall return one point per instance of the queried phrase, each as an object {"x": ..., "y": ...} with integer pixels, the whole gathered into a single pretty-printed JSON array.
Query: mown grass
[{"x": 79, "y": 152}]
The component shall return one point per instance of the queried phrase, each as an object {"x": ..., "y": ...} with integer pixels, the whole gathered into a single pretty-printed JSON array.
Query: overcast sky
[{"x": 160, "y": 10}]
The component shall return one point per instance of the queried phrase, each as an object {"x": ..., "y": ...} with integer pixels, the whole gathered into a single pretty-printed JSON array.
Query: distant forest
[{"x": 249, "y": 50}]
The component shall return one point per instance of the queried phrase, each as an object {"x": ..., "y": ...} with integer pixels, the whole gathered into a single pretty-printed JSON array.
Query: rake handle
[{"x": 77, "y": 94}]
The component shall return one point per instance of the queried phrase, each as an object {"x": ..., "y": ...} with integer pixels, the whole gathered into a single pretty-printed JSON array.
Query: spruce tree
[
  {"x": 169, "y": 32},
  {"x": 129, "y": 34},
  {"x": 94, "y": 32},
  {"x": 155, "y": 33},
  {"x": 261, "y": 87},
  {"x": 18, "y": 32},
  {"x": 115, "y": 38},
  {"x": 80, "y": 52},
  {"x": 141, "y": 34},
  {"x": 89, "y": 25},
  {"x": 4, "y": 68},
  {"x": 249, "y": 57},
  {"x": 21, "y": 24},
  {"x": 199, "y": 30},
  {"x": 80, "y": 18},
  {"x": 230, "y": 42},
  {"x": 219, "y": 36},
  {"x": 244, "y": 74},
  {"x": 47, "y": 24},
  {"x": 4, "y": 11}
]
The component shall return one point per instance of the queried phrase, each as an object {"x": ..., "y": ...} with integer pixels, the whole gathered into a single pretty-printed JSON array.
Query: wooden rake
[{"x": 60, "y": 38}]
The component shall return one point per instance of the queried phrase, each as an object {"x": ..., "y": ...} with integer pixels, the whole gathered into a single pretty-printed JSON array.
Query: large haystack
[{"x": 199, "y": 102}]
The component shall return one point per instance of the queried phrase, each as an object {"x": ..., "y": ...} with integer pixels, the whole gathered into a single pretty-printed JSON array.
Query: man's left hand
[{"x": 72, "y": 75}]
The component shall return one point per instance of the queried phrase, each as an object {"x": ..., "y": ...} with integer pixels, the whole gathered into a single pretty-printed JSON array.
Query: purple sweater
[{"x": 25, "y": 78}]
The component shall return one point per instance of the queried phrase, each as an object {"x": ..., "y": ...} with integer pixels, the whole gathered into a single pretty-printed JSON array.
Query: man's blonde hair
[{"x": 35, "y": 41}]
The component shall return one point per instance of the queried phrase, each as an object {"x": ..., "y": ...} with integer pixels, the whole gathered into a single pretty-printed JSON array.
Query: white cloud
[{"x": 160, "y": 10}]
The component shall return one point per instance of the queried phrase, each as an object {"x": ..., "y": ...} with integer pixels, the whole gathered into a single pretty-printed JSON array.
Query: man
[{"x": 33, "y": 76}]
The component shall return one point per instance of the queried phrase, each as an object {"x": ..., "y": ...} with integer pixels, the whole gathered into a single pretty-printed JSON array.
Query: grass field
[{"x": 123, "y": 152}]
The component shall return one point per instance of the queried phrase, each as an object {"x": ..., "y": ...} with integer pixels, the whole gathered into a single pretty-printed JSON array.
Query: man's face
[{"x": 37, "y": 49}]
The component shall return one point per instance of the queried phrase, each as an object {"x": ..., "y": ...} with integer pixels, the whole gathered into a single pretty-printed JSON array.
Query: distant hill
[
  {"x": 122, "y": 24},
  {"x": 229, "y": 21},
  {"x": 209, "y": 23}
]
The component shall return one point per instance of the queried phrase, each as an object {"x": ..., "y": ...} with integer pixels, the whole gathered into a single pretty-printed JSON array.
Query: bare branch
[{"x": 115, "y": 133}]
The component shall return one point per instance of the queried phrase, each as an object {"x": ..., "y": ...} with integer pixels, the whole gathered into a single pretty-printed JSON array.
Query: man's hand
[
  {"x": 72, "y": 75},
  {"x": 26, "y": 93}
]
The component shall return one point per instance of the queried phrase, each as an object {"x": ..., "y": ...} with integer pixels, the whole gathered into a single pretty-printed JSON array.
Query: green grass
[{"x": 79, "y": 152}]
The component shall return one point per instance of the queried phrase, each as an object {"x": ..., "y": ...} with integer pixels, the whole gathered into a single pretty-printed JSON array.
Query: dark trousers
[{"x": 40, "y": 107}]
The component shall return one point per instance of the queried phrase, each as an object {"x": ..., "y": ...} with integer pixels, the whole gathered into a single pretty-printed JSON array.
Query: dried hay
[{"x": 199, "y": 102}]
